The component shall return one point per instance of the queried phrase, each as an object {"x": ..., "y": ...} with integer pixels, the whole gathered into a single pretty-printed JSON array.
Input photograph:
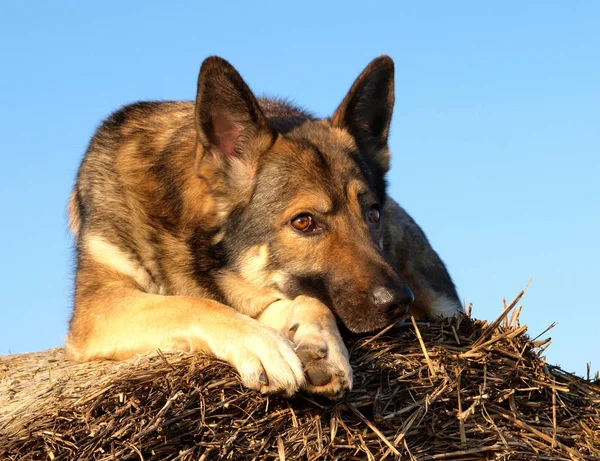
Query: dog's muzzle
[{"x": 393, "y": 301}]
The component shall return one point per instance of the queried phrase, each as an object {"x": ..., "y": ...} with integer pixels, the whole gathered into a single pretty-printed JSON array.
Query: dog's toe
[
  {"x": 318, "y": 375},
  {"x": 325, "y": 364}
]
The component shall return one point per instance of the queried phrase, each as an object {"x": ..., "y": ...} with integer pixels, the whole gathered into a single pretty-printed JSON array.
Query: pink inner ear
[{"x": 226, "y": 133}]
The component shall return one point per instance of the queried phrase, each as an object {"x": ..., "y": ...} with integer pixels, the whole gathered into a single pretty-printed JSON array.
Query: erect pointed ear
[
  {"x": 230, "y": 125},
  {"x": 366, "y": 111}
]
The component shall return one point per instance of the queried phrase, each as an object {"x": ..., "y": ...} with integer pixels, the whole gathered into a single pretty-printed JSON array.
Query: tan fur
[
  {"x": 107, "y": 254},
  {"x": 73, "y": 214},
  {"x": 121, "y": 321},
  {"x": 314, "y": 330},
  {"x": 183, "y": 216},
  {"x": 247, "y": 290},
  {"x": 354, "y": 189}
]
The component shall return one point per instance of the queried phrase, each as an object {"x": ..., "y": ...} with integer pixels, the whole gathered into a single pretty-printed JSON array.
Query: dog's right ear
[
  {"x": 366, "y": 111},
  {"x": 230, "y": 126}
]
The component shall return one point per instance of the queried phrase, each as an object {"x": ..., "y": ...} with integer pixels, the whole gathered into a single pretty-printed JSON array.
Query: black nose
[{"x": 394, "y": 301}]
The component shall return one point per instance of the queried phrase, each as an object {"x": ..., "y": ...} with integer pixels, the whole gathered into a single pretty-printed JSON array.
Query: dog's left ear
[
  {"x": 366, "y": 112},
  {"x": 231, "y": 128}
]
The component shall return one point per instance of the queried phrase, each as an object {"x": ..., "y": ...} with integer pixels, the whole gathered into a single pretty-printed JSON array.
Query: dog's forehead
[
  {"x": 314, "y": 157},
  {"x": 325, "y": 137},
  {"x": 327, "y": 149}
]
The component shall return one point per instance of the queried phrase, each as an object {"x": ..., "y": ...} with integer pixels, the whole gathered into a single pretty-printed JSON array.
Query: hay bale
[{"x": 468, "y": 391}]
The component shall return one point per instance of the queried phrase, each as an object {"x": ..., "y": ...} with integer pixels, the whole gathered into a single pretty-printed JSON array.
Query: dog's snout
[
  {"x": 395, "y": 301},
  {"x": 383, "y": 297}
]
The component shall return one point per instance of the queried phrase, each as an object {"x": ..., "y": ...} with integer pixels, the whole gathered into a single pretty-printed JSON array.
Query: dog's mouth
[
  {"x": 367, "y": 321},
  {"x": 374, "y": 331}
]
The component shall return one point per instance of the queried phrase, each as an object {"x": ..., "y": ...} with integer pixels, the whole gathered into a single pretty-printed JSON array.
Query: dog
[{"x": 247, "y": 228}]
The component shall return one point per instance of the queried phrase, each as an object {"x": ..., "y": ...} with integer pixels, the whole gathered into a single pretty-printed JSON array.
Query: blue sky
[{"x": 495, "y": 137}]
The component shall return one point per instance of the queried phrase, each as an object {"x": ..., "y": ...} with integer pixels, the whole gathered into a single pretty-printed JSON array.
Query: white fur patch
[
  {"x": 255, "y": 260},
  {"x": 242, "y": 172},
  {"x": 73, "y": 212},
  {"x": 107, "y": 254},
  {"x": 279, "y": 278},
  {"x": 445, "y": 307}
]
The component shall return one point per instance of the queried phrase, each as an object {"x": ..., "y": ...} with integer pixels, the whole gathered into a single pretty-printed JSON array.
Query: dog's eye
[
  {"x": 374, "y": 215},
  {"x": 304, "y": 223}
]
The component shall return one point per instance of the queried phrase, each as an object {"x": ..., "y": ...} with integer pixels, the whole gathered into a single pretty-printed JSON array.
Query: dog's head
[{"x": 302, "y": 202}]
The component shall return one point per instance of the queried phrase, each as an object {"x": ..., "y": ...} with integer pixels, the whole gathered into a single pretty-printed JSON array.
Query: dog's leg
[
  {"x": 114, "y": 319},
  {"x": 312, "y": 327},
  {"x": 407, "y": 247}
]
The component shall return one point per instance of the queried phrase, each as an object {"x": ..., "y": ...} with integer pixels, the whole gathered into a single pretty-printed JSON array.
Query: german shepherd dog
[{"x": 246, "y": 228}]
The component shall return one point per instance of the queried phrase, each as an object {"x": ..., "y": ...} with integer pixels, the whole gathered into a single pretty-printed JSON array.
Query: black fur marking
[
  {"x": 119, "y": 117},
  {"x": 158, "y": 277},
  {"x": 322, "y": 160},
  {"x": 245, "y": 228},
  {"x": 169, "y": 214},
  {"x": 206, "y": 259},
  {"x": 374, "y": 176},
  {"x": 438, "y": 278},
  {"x": 314, "y": 286},
  {"x": 282, "y": 115}
]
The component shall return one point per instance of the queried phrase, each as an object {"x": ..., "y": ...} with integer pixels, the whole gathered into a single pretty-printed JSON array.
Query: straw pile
[{"x": 466, "y": 390}]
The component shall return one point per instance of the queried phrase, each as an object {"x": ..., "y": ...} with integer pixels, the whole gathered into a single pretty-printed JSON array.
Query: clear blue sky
[{"x": 495, "y": 137}]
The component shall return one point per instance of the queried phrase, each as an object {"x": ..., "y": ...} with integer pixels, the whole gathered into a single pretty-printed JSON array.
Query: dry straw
[{"x": 445, "y": 390}]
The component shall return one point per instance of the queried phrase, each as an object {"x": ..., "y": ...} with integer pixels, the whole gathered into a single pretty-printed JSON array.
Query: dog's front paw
[
  {"x": 264, "y": 358},
  {"x": 323, "y": 354}
]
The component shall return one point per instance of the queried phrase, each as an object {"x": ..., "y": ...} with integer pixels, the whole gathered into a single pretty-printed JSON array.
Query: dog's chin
[{"x": 361, "y": 328}]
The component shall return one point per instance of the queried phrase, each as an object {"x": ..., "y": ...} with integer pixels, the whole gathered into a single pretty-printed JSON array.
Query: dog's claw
[
  {"x": 292, "y": 331},
  {"x": 263, "y": 379}
]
